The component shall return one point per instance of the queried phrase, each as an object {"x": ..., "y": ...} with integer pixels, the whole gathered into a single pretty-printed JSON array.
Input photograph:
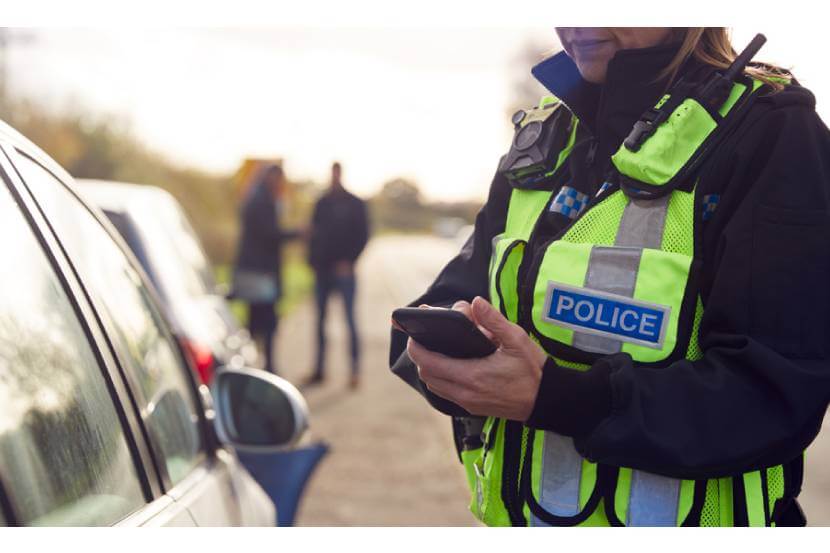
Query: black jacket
[
  {"x": 758, "y": 396},
  {"x": 261, "y": 238},
  {"x": 340, "y": 229}
]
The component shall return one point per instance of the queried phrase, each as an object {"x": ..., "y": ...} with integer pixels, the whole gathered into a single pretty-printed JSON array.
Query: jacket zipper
[{"x": 590, "y": 158}]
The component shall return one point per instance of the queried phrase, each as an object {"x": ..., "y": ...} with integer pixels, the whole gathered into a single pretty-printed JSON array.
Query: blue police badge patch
[{"x": 605, "y": 314}]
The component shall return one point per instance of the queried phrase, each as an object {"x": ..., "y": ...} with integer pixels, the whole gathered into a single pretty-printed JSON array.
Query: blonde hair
[{"x": 713, "y": 46}]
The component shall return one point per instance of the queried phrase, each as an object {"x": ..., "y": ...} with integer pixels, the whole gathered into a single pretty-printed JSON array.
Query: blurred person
[
  {"x": 339, "y": 232},
  {"x": 658, "y": 292},
  {"x": 258, "y": 270}
]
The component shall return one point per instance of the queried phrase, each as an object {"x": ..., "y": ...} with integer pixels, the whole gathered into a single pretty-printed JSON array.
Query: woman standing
[
  {"x": 258, "y": 270},
  {"x": 658, "y": 291}
]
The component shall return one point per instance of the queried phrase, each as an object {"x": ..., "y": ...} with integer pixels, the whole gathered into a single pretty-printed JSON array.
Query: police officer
[{"x": 658, "y": 291}]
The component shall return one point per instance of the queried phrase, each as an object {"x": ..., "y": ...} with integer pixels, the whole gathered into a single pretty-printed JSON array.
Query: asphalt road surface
[{"x": 392, "y": 461}]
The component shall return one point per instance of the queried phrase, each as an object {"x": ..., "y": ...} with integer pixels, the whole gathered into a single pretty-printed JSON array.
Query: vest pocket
[
  {"x": 590, "y": 301},
  {"x": 670, "y": 148},
  {"x": 504, "y": 269},
  {"x": 639, "y": 498},
  {"x": 559, "y": 487}
]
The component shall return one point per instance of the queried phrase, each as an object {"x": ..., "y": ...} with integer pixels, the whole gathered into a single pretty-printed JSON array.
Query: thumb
[{"x": 486, "y": 316}]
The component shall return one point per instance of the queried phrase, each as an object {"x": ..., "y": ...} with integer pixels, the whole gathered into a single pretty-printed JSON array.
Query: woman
[
  {"x": 660, "y": 296},
  {"x": 257, "y": 275}
]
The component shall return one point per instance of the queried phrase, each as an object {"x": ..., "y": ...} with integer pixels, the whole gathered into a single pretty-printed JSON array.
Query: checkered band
[
  {"x": 710, "y": 203},
  {"x": 569, "y": 202}
]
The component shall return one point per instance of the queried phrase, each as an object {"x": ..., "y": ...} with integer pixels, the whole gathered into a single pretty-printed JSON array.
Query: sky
[{"x": 425, "y": 103}]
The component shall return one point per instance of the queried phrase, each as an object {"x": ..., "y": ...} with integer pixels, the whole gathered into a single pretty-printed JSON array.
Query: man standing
[{"x": 339, "y": 232}]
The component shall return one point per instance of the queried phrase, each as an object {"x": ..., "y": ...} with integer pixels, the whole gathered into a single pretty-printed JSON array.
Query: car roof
[
  {"x": 120, "y": 197},
  {"x": 12, "y": 136}
]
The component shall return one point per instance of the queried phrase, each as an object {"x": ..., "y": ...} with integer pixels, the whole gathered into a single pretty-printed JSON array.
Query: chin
[{"x": 593, "y": 73}]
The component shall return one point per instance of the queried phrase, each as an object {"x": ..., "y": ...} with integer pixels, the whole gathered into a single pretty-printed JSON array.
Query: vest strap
[
  {"x": 643, "y": 222},
  {"x": 754, "y": 492},
  {"x": 653, "y": 500}
]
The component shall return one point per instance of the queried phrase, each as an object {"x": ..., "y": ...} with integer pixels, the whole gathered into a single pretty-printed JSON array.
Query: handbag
[{"x": 254, "y": 286}]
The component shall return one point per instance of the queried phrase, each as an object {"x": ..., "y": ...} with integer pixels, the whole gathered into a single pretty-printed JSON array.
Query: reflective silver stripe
[
  {"x": 479, "y": 490},
  {"x": 614, "y": 269},
  {"x": 559, "y": 478},
  {"x": 611, "y": 270},
  {"x": 642, "y": 223},
  {"x": 653, "y": 500}
]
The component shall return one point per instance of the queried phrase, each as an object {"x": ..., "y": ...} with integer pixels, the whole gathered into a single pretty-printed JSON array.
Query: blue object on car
[{"x": 283, "y": 475}]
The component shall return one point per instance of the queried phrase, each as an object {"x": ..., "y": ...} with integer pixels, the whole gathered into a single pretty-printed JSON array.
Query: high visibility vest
[{"x": 620, "y": 277}]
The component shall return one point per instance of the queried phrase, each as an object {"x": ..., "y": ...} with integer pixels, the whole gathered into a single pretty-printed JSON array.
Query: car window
[
  {"x": 192, "y": 247},
  {"x": 175, "y": 252},
  {"x": 152, "y": 360},
  {"x": 64, "y": 458}
]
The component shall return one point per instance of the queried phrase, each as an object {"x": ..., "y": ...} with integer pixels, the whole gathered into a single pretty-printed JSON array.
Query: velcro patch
[{"x": 608, "y": 315}]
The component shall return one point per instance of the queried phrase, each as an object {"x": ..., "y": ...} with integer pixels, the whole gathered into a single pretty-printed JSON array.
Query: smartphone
[{"x": 445, "y": 331}]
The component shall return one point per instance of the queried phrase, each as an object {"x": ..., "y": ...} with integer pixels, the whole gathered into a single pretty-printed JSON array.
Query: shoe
[{"x": 354, "y": 382}]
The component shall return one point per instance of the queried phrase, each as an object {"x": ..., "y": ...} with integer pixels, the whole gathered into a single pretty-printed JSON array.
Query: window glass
[
  {"x": 172, "y": 245},
  {"x": 64, "y": 458},
  {"x": 153, "y": 361}
]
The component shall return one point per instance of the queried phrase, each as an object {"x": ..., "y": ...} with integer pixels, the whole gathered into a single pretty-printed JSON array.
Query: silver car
[
  {"x": 154, "y": 226},
  {"x": 102, "y": 419}
]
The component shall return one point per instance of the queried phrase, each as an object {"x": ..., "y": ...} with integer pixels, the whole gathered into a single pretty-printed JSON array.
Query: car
[
  {"x": 156, "y": 229},
  {"x": 102, "y": 418}
]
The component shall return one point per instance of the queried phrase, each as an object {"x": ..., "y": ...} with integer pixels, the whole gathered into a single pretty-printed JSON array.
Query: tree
[
  {"x": 401, "y": 193},
  {"x": 399, "y": 206},
  {"x": 98, "y": 147}
]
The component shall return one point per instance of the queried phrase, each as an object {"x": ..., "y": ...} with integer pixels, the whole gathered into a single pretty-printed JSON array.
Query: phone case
[{"x": 444, "y": 331}]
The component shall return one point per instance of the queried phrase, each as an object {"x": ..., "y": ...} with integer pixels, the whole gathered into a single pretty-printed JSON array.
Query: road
[{"x": 392, "y": 460}]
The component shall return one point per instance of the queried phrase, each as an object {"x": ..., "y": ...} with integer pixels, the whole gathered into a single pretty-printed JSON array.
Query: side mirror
[{"x": 258, "y": 411}]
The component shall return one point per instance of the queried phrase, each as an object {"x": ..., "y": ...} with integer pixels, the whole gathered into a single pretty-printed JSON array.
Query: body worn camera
[{"x": 537, "y": 141}]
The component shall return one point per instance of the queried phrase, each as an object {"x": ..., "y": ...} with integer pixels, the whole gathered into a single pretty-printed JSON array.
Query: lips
[
  {"x": 588, "y": 44},
  {"x": 588, "y": 48}
]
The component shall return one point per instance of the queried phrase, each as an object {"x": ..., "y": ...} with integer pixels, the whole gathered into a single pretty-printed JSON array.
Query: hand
[{"x": 503, "y": 384}]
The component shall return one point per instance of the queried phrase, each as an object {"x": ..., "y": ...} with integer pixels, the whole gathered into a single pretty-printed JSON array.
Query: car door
[
  {"x": 190, "y": 472},
  {"x": 68, "y": 450}
]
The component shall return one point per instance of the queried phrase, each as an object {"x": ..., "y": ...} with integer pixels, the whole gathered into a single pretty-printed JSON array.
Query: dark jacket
[
  {"x": 261, "y": 238},
  {"x": 758, "y": 396},
  {"x": 340, "y": 229}
]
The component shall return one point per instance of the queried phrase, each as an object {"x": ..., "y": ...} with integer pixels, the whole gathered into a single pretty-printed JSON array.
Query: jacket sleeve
[
  {"x": 758, "y": 395},
  {"x": 463, "y": 278}
]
